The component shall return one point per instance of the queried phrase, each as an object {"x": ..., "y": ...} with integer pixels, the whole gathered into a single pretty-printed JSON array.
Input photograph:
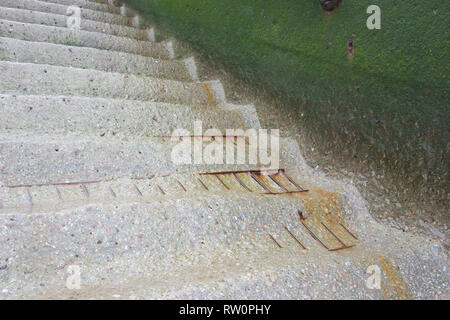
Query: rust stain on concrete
[{"x": 395, "y": 280}]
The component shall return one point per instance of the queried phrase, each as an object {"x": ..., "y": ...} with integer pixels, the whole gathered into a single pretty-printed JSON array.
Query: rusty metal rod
[
  {"x": 281, "y": 171},
  {"x": 313, "y": 235},
  {"x": 292, "y": 235},
  {"x": 341, "y": 248},
  {"x": 348, "y": 231},
  {"x": 54, "y": 184},
  {"x": 259, "y": 172},
  {"x": 201, "y": 182},
  {"x": 289, "y": 192},
  {"x": 332, "y": 233},
  {"x": 181, "y": 185},
  {"x": 278, "y": 183},
  {"x": 137, "y": 190},
  {"x": 160, "y": 189},
  {"x": 226, "y": 187},
  {"x": 112, "y": 192},
  {"x": 276, "y": 242},
  {"x": 241, "y": 183},
  {"x": 260, "y": 183}
]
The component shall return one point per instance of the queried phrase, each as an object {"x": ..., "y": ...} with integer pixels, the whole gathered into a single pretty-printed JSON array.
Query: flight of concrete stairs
[{"x": 87, "y": 182}]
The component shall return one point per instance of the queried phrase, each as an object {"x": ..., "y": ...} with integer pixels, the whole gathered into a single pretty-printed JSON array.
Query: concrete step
[
  {"x": 115, "y": 3},
  {"x": 60, "y": 35},
  {"x": 28, "y": 158},
  {"x": 87, "y": 5},
  {"x": 151, "y": 238},
  {"x": 39, "y": 79},
  {"x": 105, "y": 117},
  {"x": 15, "y": 50},
  {"x": 58, "y": 20},
  {"x": 229, "y": 245},
  {"x": 41, "y": 6},
  {"x": 54, "y": 196}
]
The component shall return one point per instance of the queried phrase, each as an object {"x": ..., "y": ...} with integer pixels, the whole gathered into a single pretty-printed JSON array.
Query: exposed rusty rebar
[
  {"x": 201, "y": 182},
  {"x": 281, "y": 171},
  {"x": 334, "y": 236},
  {"x": 160, "y": 189},
  {"x": 223, "y": 183},
  {"x": 276, "y": 242},
  {"x": 295, "y": 238},
  {"x": 349, "y": 232},
  {"x": 278, "y": 183},
  {"x": 137, "y": 190},
  {"x": 241, "y": 183},
  {"x": 181, "y": 185},
  {"x": 260, "y": 182}
]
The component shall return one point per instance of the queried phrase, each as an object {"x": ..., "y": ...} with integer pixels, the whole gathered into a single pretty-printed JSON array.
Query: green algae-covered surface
[{"x": 384, "y": 111}]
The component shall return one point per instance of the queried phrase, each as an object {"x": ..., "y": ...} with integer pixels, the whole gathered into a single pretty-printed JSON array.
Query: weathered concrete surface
[
  {"x": 60, "y": 20},
  {"x": 81, "y": 38},
  {"x": 14, "y": 50},
  {"x": 87, "y": 180}
]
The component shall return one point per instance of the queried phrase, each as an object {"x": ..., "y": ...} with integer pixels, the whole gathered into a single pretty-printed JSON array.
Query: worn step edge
[
  {"x": 87, "y": 5},
  {"x": 15, "y": 50},
  {"x": 107, "y": 235},
  {"x": 98, "y": 116},
  {"x": 66, "y": 194},
  {"x": 64, "y": 10},
  {"x": 27, "y": 158},
  {"x": 57, "y": 20},
  {"x": 81, "y": 38},
  {"x": 40, "y": 79}
]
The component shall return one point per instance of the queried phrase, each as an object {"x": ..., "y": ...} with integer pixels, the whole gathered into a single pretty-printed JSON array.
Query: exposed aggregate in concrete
[{"x": 133, "y": 241}]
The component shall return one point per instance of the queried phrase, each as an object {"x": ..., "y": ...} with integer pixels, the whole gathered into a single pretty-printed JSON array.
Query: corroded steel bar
[
  {"x": 334, "y": 236},
  {"x": 278, "y": 183},
  {"x": 218, "y": 178},
  {"x": 348, "y": 231},
  {"x": 276, "y": 242},
  {"x": 292, "y": 235},
  {"x": 259, "y": 182},
  {"x": 241, "y": 183}
]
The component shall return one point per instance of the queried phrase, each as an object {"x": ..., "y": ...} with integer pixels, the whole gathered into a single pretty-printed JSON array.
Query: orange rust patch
[
  {"x": 210, "y": 96},
  {"x": 395, "y": 280},
  {"x": 331, "y": 196},
  {"x": 318, "y": 201},
  {"x": 143, "y": 35}
]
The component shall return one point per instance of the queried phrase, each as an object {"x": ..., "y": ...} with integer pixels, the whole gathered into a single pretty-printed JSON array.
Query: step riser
[
  {"x": 58, "y": 161},
  {"x": 14, "y": 50},
  {"x": 54, "y": 197},
  {"x": 98, "y": 117},
  {"x": 30, "y": 159},
  {"x": 56, "y": 20},
  {"x": 87, "y": 5},
  {"x": 62, "y": 10},
  {"x": 57, "y": 35},
  {"x": 38, "y": 79}
]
